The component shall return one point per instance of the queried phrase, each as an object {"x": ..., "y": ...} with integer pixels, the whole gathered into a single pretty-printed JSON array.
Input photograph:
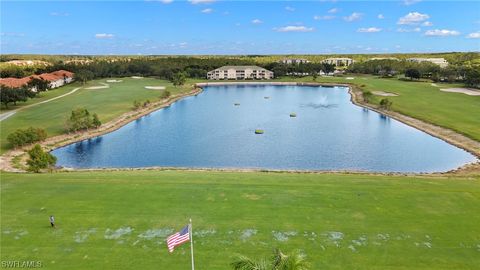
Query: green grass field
[
  {"x": 107, "y": 103},
  {"x": 119, "y": 220},
  {"x": 41, "y": 97}
]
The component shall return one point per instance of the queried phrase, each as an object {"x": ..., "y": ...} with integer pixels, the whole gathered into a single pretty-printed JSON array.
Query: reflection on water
[{"x": 209, "y": 131}]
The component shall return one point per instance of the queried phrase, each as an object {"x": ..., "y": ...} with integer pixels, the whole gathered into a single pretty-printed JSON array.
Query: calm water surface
[{"x": 208, "y": 130}]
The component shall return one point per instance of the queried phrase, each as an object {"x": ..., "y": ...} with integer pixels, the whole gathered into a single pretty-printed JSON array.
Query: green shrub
[
  {"x": 39, "y": 159},
  {"x": 22, "y": 137},
  {"x": 96, "y": 122},
  {"x": 165, "y": 94},
  {"x": 386, "y": 104},
  {"x": 136, "y": 104},
  {"x": 81, "y": 119},
  {"x": 367, "y": 96}
]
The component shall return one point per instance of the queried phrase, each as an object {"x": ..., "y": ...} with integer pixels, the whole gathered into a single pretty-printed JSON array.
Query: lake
[{"x": 216, "y": 129}]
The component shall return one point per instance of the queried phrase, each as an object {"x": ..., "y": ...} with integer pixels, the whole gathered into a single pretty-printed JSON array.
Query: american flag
[{"x": 178, "y": 238}]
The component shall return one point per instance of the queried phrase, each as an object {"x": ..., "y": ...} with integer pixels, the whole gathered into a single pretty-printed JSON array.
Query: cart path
[{"x": 6, "y": 115}]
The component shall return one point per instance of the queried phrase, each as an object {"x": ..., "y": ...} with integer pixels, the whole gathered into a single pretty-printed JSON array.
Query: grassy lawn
[
  {"x": 337, "y": 221},
  {"x": 107, "y": 103},
  {"x": 423, "y": 101},
  {"x": 41, "y": 97}
]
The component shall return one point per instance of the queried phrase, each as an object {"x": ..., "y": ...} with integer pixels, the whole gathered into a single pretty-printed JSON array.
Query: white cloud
[
  {"x": 59, "y": 14},
  {"x": 288, "y": 8},
  {"x": 369, "y": 30},
  {"x": 166, "y": 1},
  {"x": 380, "y": 16},
  {"x": 207, "y": 10},
  {"x": 326, "y": 17},
  {"x": 442, "y": 33},
  {"x": 104, "y": 36},
  {"x": 407, "y": 30},
  {"x": 410, "y": 2},
  {"x": 427, "y": 23},
  {"x": 413, "y": 18},
  {"x": 353, "y": 17},
  {"x": 294, "y": 28},
  {"x": 196, "y": 2},
  {"x": 474, "y": 35},
  {"x": 257, "y": 21},
  {"x": 333, "y": 10}
]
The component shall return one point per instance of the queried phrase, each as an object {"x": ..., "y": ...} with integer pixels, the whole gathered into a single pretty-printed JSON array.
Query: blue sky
[{"x": 238, "y": 27}]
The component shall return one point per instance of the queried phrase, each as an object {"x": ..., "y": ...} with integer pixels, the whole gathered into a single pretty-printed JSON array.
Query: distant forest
[{"x": 461, "y": 65}]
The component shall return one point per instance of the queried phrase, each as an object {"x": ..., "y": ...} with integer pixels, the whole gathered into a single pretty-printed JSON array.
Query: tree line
[{"x": 468, "y": 74}]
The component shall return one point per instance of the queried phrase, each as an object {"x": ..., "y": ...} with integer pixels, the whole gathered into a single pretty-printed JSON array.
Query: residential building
[
  {"x": 437, "y": 61},
  {"x": 383, "y": 58},
  {"x": 239, "y": 73},
  {"x": 55, "y": 79},
  {"x": 339, "y": 61},
  {"x": 296, "y": 61}
]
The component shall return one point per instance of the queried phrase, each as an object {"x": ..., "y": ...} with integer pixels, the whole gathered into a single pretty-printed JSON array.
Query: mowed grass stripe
[{"x": 404, "y": 210}]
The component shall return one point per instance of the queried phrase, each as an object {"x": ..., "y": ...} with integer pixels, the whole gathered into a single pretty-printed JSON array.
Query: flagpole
[{"x": 191, "y": 243}]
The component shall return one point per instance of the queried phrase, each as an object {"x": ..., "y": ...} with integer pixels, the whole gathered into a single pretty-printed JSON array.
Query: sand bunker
[
  {"x": 434, "y": 84},
  {"x": 349, "y": 78},
  {"x": 114, "y": 81},
  {"x": 466, "y": 91},
  {"x": 136, "y": 77},
  {"x": 155, "y": 87},
  {"x": 102, "y": 86},
  {"x": 384, "y": 94}
]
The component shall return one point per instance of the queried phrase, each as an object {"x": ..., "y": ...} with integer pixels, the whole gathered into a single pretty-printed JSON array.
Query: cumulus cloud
[
  {"x": 294, "y": 28},
  {"x": 380, "y": 16},
  {"x": 369, "y": 30},
  {"x": 104, "y": 36},
  {"x": 413, "y": 18},
  {"x": 441, "y": 33},
  {"x": 207, "y": 10},
  {"x": 474, "y": 35},
  {"x": 410, "y": 2},
  {"x": 288, "y": 8},
  {"x": 257, "y": 21},
  {"x": 427, "y": 23},
  {"x": 353, "y": 17},
  {"x": 196, "y": 2},
  {"x": 326, "y": 17},
  {"x": 333, "y": 10}
]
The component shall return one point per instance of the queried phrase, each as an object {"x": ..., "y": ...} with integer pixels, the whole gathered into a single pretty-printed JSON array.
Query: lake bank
[
  {"x": 209, "y": 131},
  {"x": 356, "y": 98}
]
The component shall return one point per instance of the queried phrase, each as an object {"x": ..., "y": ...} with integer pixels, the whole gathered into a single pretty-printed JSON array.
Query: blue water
[{"x": 329, "y": 133}]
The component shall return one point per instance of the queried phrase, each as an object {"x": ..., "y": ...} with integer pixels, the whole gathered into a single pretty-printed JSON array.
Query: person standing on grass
[{"x": 52, "y": 221}]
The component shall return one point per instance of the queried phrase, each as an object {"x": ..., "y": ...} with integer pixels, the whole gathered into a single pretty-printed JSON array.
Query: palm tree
[{"x": 279, "y": 261}]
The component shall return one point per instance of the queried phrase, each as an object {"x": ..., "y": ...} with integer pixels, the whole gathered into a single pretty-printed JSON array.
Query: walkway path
[{"x": 6, "y": 115}]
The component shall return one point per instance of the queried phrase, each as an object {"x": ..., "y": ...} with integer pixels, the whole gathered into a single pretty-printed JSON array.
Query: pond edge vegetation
[{"x": 357, "y": 97}]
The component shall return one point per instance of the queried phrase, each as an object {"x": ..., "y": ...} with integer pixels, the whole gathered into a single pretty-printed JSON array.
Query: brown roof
[
  {"x": 14, "y": 82},
  {"x": 62, "y": 73},
  {"x": 52, "y": 76}
]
